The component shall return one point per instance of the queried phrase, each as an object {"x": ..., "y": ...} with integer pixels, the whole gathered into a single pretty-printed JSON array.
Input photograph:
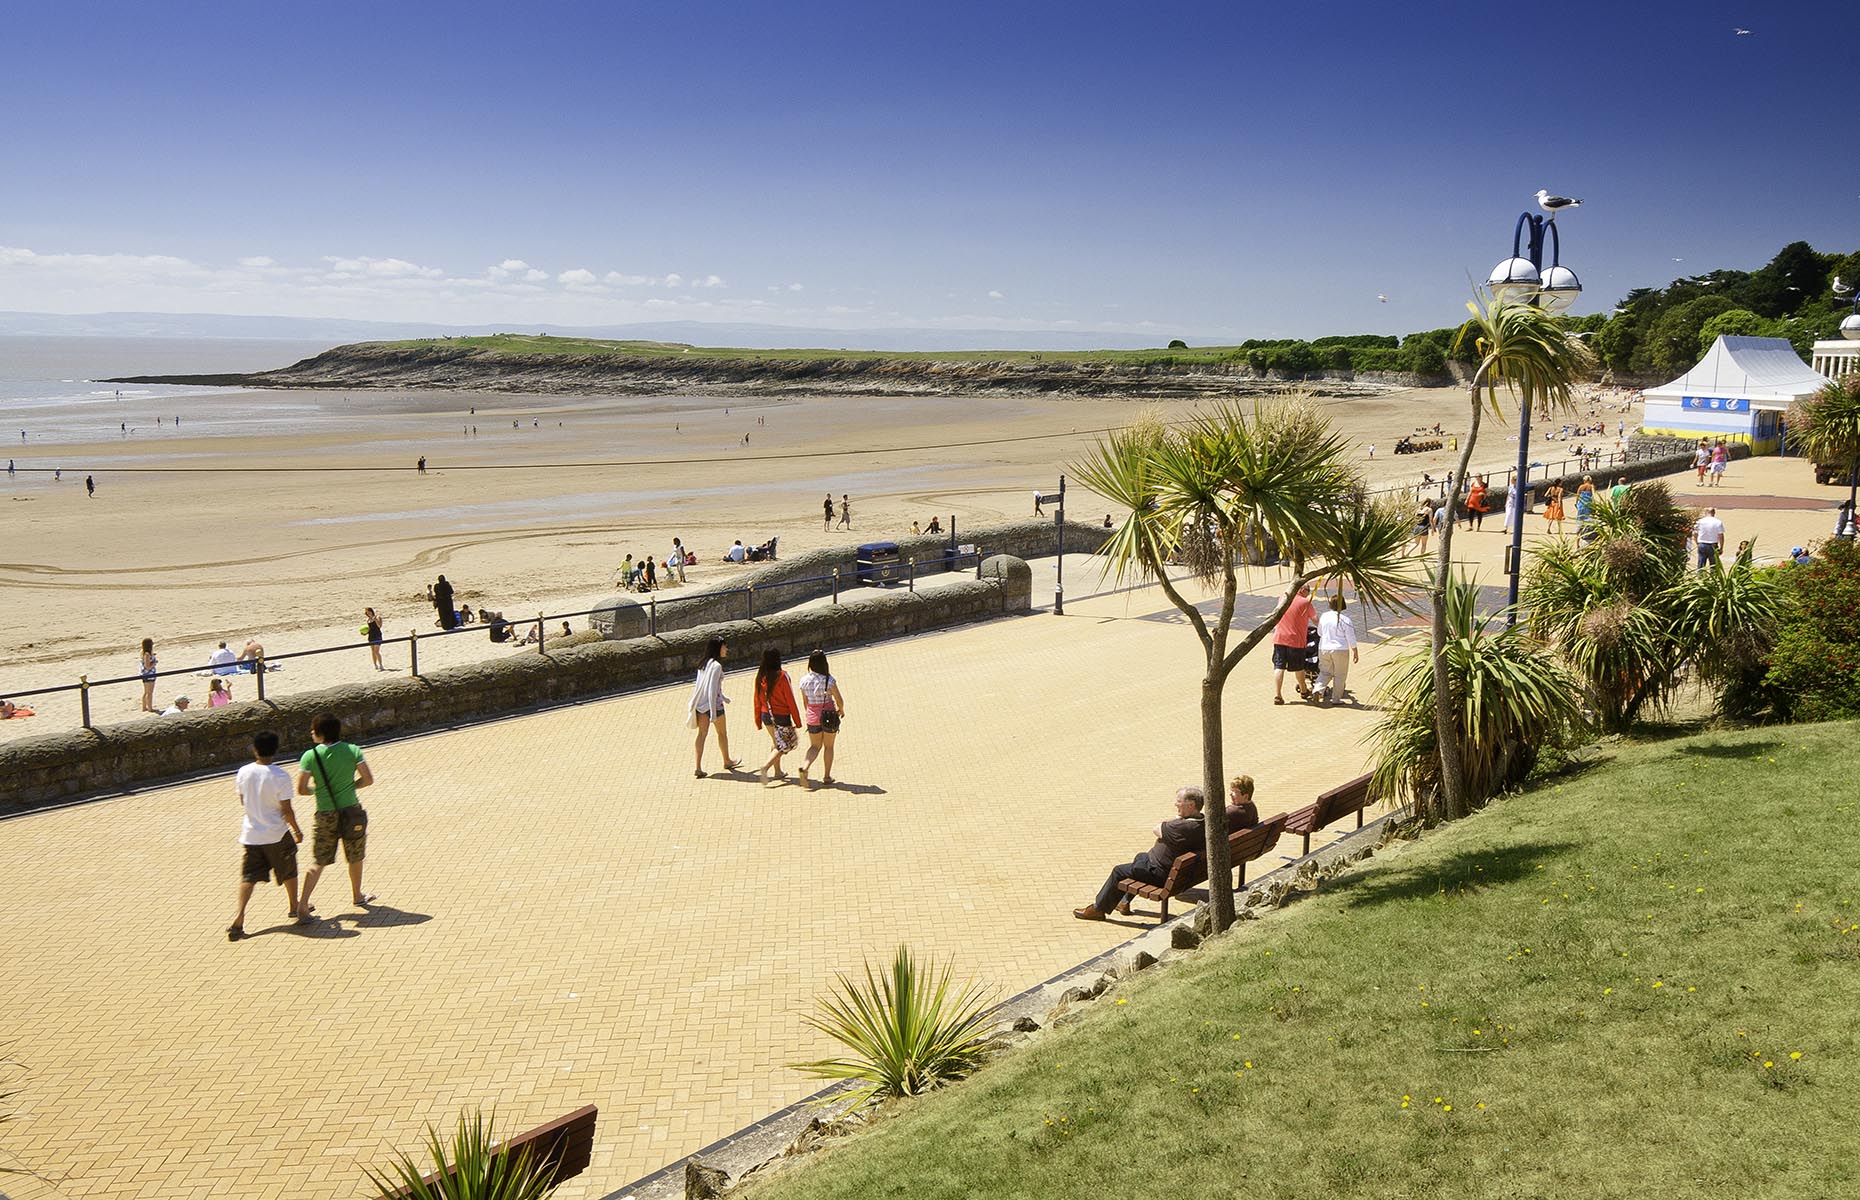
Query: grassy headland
[{"x": 1639, "y": 980}]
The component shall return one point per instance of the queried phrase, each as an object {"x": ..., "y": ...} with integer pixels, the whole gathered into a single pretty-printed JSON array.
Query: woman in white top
[
  {"x": 707, "y": 703},
  {"x": 822, "y": 708},
  {"x": 1336, "y": 650}
]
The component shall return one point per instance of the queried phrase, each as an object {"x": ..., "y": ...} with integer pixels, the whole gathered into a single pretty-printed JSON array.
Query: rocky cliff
[{"x": 443, "y": 366}]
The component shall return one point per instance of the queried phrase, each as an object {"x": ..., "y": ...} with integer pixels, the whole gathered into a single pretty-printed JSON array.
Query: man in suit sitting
[{"x": 1181, "y": 835}]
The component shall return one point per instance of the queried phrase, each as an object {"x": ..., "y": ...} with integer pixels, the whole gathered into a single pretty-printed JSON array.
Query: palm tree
[
  {"x": 1525, "y": 351},
  {"x": 1214, "y": 493},
  {"x": 1827, "y": 426},
  {"x": 1515, "y": 697}
]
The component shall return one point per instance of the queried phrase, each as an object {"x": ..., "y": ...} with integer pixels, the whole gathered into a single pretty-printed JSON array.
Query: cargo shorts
[{"x": 350, "y": 825}]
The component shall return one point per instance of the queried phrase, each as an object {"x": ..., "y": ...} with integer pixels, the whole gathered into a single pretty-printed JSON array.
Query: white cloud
[
  {"x": 674, "y": 280},
  {"x": 578, "y": 277},
  {"x": 258, "y": 260},
  {"x": 710, "y": 281},
  {"x": 794, "y": 287},
  {"x": 996, "y": 296}
]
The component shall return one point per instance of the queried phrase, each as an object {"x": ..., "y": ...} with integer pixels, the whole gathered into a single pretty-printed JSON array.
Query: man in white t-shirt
[
  {"x": 223, "y": 661},
  {"x": 270, "y": 833},
  {"x": 1709, "y": 533},
  {"x": 736, "y": 553}
]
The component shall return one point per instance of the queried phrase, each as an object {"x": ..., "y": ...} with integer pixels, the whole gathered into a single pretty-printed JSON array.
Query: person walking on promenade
[
  {"x": 1179, "y": 835},
  {"x": 707, "y": 703},
  {"x": 1289, "y": 640},
  {"x": 1701, "y": 460},
  {"x": 1336, "y": 651},
  {"x": 90, "y": 486},
  {"x": 826, "y": 708},
  {"x": 1423, "y": 525},
  {"x": 1476, "y": 504},
  {"x": 372, "y": 631},
  {"x": 676, "y": 567},
  {"x": 826, "y": 520},
  {"x": 1038, "y": 498},
  {"x": 1585, "y": 505},
  {"x": 845, "y": 512},
  {"x": 1720, "y": 459},
  {"x": 333, "y": 771},
  {"x": 1709, "y": 534},
  {"x": 149, "y": 665},
  {"x": 776, "y": 712},
  {"x": 1618, "y": 493},
  {"x": 1553, "y": 508},
  {"x": 269, "y": 833},
  {"x": 442, "y": 602}
]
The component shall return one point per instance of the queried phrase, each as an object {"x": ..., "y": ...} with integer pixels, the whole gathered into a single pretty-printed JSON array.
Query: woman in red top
[
  {"x": 1476, "y": 504},
  {"x": 776, "y": 711}
]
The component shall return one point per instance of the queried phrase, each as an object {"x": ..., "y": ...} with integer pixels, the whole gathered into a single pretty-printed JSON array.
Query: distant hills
[{"x": 761, "y": 337}]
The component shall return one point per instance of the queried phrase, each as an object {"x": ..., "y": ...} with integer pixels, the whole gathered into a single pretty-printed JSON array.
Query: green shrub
[
  {"x": 471, "y": 1170},
  {"x": 1423, "y": 357},
  {"x": 1177, "y": 344},
  {"x": 907, "y": 1032},
  {"x": 1814, "y": 670}
]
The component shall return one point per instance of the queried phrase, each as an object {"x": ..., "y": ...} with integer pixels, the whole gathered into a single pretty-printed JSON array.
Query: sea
[{"x": 51, "y": 388}]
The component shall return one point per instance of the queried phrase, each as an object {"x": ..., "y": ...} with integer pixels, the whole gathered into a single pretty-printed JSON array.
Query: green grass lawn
[
  {"x": 1640, "y": 980},
  {"x": 534, "y": 344}
]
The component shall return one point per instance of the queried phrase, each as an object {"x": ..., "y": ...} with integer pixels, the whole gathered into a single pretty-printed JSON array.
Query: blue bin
[{"x": 879, "y": 563}]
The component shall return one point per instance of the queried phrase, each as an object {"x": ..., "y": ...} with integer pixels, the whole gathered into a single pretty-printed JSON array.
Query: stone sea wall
[
  {"x": 60, "y": 767},
  {"x": 630, "y": 614}
]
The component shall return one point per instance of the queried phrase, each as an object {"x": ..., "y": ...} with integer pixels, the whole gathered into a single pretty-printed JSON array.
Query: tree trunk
[
  {"x": 1452, "y": 803},
  {"x": 1214, "y": 820}
]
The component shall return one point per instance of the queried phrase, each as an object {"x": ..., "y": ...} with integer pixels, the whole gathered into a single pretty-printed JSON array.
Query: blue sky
[{"x": 1213, "y": 171}]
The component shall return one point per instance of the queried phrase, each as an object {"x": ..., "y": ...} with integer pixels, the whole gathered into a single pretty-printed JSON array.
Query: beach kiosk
[{"x": 1739, "y": 392}]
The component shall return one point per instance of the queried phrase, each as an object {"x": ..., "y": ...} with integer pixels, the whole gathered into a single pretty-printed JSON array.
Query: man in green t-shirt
[{"x": 332, "y": 771}]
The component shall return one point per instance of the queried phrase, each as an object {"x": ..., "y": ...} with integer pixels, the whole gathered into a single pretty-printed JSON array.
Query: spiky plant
[
  {"x": 469, "y": 1168},
  {"x": 1512, "y": 697},
  {"x": 1826, "y": 425},
  {"x": 907, "y": 1031}
]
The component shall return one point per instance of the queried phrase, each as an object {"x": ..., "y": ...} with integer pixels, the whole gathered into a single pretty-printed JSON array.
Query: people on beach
[
  {"x": 421, "y": 465},
  {"x": 251, "y": 655},
  {"x": 442, "y": 601},
  {"x": 826, "y": 519},
  {"x": 223, "y": 661},
  {"x": 371, "y": 629},
  {"x": 149, "y": 664},
  {"x": 916, "y": 530},
  {"x": 736, "y": 553},
  {"x": 1336, "y": 651},
  {"x": 826, "y": 708},
  {"x": 776, "y": 712},
  {"x": 90, "y": 486},
  {"x": 1289, "y": 640},
  {"x": 675, "y": 564},
  {"x": 1038, "y": 499},
  {"x": 179, "y": 706},
  {"x": 707, "y": 703},
  {"x": 217, "y": 694},
  {"x": 333, "y": 771},
  {"x": 935, "y": 525},
  {"x": 268, "y": 830},
  {"x": 845, "y": 512},
  {"x": 1175, "y": 836}
]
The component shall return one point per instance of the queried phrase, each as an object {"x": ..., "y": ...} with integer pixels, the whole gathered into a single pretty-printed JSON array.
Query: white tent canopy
[{"x": 1766, "y": 372}]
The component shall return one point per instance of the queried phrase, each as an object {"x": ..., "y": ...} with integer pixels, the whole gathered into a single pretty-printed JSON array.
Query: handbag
[
  {"x": 829, "y": 720},
  {"x": 786, "y": 738},
  {"x": 355, "y": 817}
]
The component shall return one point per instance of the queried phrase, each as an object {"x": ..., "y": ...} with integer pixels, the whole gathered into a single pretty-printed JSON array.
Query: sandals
[
  {"x": 733, "y": 764},
  {"x": 698, "y": 774},
  {"x": 234, "y": 932}
]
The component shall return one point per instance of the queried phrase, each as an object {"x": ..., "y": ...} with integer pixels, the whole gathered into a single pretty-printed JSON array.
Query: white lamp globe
[
  {"x": 1513, "y": 280},
  {"x": 1560, "y": 289},
  {"x": 1850, "y": 327}
]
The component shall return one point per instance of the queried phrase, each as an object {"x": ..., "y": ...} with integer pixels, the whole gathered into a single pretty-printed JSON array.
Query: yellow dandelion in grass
[
  {"x": 1236, "y": 1037},
  {"x": 1608, "y": 991},
  {"x": 1743, "y": 1033},
  {"x": 1446, "y": 1108},
  {"x": 1696, "y": 890},
  {"x": 1404, "y": 1104},
  {"x": 1692, "y": 989},
  {"x": 1794, "y": 1055},
  {"x": 1767, "y": 1064},
  {"x": 1437, "y": 1100},
  {"x": 1248, "y": 1064},
  {"x": 1122, "y": 1000},
  {"x": 1423, "y": 1004},
  {"x": 1480, "y": 1106},
  {"x": 1406, "y": 1096},
  {"x": 1657, "y": 983}
]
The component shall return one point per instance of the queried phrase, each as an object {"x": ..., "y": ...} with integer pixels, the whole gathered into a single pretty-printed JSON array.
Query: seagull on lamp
[{"x": 1555, "y": 204}]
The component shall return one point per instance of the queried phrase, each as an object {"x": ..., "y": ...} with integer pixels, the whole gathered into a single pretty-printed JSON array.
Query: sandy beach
[{"x": 280, "y": 515}]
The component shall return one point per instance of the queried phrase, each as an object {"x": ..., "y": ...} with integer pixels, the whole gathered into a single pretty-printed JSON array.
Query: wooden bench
[
  {"x": 1333, "y": 805},
  {"x": 1188, "y": 870},
  {"x": 564, "y": 1146}
]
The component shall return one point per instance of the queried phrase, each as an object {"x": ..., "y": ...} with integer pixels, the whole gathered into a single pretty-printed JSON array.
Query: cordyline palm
[
  {"x": 1524, "y": 352},
  {"x": 1827, "y": 426},
  {"x": 1513, "y": 698},
  {"x": 1625, "y": 613},
  {"x": 1213, "y": 491}
]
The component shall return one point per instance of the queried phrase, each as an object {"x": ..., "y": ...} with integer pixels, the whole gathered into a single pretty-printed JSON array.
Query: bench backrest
[
  {"x": 565, "y": 1145},
  {"x": 1245, "y": 845},
  {"x": 1343, "y": 800}
]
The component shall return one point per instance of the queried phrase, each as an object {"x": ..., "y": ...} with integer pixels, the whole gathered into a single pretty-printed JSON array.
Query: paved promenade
[{"x": 567, "y": 916}]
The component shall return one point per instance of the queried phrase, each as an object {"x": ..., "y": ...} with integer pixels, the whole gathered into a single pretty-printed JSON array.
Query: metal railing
[
  {"x": 905, "y": 571},
  {"x": 1540, "y": 472}
]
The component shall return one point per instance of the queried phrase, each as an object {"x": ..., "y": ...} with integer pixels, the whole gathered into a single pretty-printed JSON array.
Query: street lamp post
[{"x": 1523, "y": 278}]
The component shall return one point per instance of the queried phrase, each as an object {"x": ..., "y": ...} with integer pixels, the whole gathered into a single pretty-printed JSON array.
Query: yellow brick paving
[{"x": 568, "y": 917}]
